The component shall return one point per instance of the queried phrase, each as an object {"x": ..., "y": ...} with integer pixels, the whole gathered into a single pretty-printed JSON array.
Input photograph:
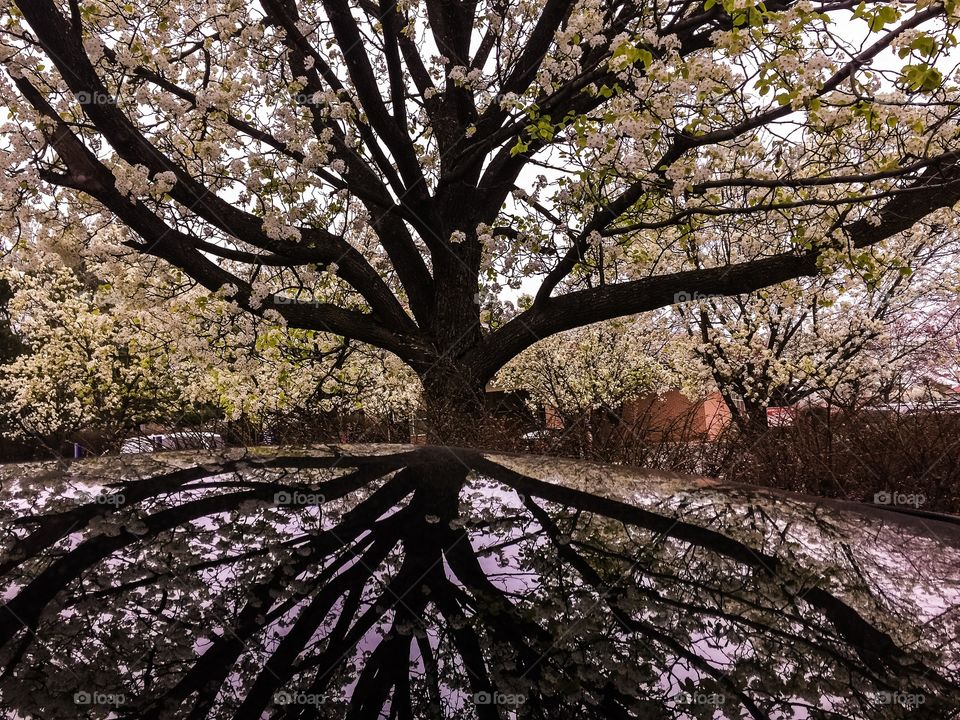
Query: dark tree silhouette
[{"x": 450, "y": 584}]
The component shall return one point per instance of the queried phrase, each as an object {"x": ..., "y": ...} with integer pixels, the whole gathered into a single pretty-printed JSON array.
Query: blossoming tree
[
  {"x": 95, "y": 356},
  {"x": 412, "y": 155},
  {"x": 846, "y": 335}
]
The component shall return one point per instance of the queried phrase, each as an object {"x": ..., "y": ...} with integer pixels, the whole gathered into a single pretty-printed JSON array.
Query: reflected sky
[{"x": 398, "y": 582}]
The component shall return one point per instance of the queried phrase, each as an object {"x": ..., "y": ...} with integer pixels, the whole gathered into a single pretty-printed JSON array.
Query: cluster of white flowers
[
  {"x": 141, "y": 347},
  {"x": 465, "y": 77},
  {"x": 278, "y": 227},
  {"x": 132, "y": 180}
]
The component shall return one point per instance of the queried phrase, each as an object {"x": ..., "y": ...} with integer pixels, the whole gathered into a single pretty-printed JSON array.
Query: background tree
[
  {"x": 96, "y": 357},
  {"x": 408, "y": 154},
  {"x": 846, "y": 335},
  {"x": 584, "y": 377}
]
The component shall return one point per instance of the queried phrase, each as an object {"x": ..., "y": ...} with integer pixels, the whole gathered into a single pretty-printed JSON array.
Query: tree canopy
[{"x": 382, "y": 170}]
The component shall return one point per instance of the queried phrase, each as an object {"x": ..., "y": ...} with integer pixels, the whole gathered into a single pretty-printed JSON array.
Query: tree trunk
[
  {"x": 453, "y": 394},
  {"x": 454, "y": 410},
  {"x": 753, "y": 420}
]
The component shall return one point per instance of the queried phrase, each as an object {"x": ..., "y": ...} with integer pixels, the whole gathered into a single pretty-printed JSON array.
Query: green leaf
[
  {"x": 925, "y": 45},
  {"x": 883, "y": 15},
  {"x": 628, "y": 51},
  {"x": 520, "y": 147},
  {"x": 922, "y": 77}
]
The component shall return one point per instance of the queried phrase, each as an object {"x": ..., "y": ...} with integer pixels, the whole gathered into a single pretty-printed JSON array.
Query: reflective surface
[{"x": 397, "y": 582}]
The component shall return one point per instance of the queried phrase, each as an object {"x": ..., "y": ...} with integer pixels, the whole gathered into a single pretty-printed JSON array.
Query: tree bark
[
  {"x": 453, "y": 392},
  {"x": 453, "y": 404}
]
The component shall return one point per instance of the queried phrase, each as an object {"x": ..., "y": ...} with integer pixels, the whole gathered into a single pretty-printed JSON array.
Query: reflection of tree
[{"x": 412, "y": 584}]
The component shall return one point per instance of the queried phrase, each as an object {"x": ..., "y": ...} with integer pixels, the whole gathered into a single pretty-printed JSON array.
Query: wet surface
[{"x": 398, "y": 582}]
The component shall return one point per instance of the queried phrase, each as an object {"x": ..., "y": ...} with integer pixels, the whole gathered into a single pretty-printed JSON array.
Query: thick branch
[{"x": 606, "y": 302}]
